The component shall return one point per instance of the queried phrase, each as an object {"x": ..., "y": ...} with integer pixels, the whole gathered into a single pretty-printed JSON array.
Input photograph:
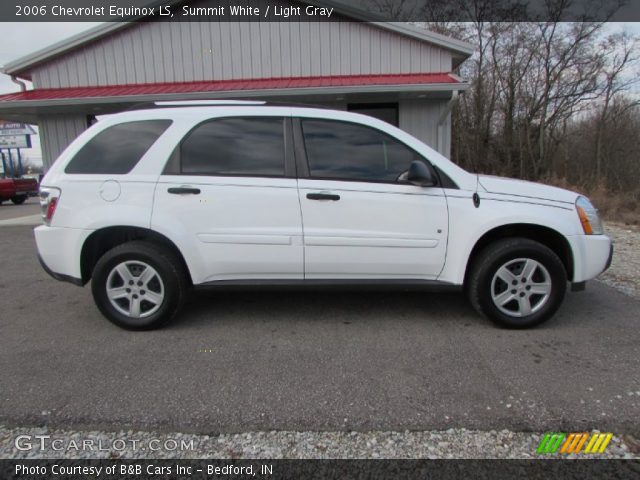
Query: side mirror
[{"x": 419, "y": 174}]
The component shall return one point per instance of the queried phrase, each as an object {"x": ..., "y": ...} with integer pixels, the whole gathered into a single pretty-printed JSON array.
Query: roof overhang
[
  {"x": 245, "y": 87},
  {"x": 276, "y": 92},
  {"x": 28, "y": 105}
]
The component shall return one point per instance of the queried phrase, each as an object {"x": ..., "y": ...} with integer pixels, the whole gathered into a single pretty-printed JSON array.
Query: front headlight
[{"x": 589, "y": 217}]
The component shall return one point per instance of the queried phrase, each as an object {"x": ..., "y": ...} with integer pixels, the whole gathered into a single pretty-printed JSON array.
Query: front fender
[{"x": 467, "y": 225}]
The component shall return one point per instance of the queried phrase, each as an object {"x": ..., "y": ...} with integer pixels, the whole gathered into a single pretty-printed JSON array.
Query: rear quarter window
[{"x": 117, "y": 149}]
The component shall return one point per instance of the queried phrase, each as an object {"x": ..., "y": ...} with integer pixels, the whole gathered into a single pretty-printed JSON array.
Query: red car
[{"x": 17, "y": 189}]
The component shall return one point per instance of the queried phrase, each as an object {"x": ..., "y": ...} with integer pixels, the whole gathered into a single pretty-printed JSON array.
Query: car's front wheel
[
  {"x": 19, "y": 199},
  {"x": 517, "y": 282},
  {"x": 139, "y": 285}
]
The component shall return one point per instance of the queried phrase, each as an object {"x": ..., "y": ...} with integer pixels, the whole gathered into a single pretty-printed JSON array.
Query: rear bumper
[
  {"x": 60, "y": 276},
  {"x": 59, "y": 251}
]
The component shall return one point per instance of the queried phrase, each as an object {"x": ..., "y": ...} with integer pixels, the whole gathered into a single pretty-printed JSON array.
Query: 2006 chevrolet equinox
[{"x": 147, "y": 204}]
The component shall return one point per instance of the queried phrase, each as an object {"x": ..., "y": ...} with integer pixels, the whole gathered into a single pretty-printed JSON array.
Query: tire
[
  {"x": 540, "y": 283},
  {"x": 158, "y": 290},
  {"x": 18, "y": 199}
]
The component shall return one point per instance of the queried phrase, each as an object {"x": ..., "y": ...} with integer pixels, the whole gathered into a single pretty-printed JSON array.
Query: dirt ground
[{"x": 624, "y": 273}]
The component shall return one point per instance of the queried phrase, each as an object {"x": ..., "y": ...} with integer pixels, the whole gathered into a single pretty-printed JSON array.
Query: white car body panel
[
  {"x": 591, "y": 254},
  {"x": 238, "y": 228},
  {"x": 58, "y": 248},
  {"x": 373, "y": 231},
  {"x": 523, "y": 188},
  {"x": 81, "y": 205},
  {"x": 468, "y": 224}
]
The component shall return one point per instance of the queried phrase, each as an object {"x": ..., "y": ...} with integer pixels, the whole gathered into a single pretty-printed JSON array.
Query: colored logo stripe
[
  {"x": 598, "y": 443},
  {"x": 573, "y": 443},
  {"x": 550, "y": 443}
]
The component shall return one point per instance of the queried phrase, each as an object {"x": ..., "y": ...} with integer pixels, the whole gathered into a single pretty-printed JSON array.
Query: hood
[{"x": 523, "y": 188}]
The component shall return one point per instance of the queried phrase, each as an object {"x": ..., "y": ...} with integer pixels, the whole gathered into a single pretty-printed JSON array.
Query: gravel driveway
[{"x": 452, "y": 443}]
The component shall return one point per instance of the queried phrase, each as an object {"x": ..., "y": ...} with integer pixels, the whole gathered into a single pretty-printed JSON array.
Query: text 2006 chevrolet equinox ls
[{"x": 148, "y": 203}]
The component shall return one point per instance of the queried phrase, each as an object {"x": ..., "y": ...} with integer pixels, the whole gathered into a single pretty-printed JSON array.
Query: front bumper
[
  {"x": 592, "y": 255},
  {"x": 609, "y": 260}
]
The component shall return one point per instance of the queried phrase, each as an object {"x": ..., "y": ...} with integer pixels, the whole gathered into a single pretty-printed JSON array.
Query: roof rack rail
[
  {"x": 196, "y": 103},
  {"x": 218, "y": 103}
]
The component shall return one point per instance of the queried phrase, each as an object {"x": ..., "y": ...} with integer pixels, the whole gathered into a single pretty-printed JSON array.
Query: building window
[
  {"x": 387, "y": 112},
  {"x": 235, "y": 147}
]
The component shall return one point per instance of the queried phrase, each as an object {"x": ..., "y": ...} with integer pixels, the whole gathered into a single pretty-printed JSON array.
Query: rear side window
[
  {"x": 117, "y": 149},
  {"x": 251, "y": 146},
  {"x": 348, "y": 151}
]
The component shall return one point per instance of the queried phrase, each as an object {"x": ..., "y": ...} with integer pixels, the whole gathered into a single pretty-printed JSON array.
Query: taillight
[{"x": 49, "y": 197}]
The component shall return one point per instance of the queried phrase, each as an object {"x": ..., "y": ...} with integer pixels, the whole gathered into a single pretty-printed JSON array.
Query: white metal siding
[
  {"x": 56, "y": 132},
  {"x": 420, "y": 118},
  {"x": 181, "y": 52}
]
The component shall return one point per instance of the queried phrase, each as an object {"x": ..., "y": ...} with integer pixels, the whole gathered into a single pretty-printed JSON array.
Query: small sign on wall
[
  {"x": 14, "y": 129},
  {"x": 15, "y": 141}
]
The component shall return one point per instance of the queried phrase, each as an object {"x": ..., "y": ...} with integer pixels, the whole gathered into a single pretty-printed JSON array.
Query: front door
[{"x": 361, "y": 220}]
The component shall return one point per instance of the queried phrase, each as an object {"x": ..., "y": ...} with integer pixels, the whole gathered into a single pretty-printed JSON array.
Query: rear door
[
  {"x": 230, "y": 191},
  {"x": 361, "y": 220}
]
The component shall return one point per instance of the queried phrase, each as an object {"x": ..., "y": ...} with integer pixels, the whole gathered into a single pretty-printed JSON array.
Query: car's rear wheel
[
  {"x": 18, "y": 199},
  {"x": 139, "y": 285},
  {"x": 517, "y": 283}
]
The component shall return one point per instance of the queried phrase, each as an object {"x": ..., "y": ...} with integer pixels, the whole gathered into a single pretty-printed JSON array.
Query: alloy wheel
[
  {"x": 135, "y": 289},
  {"x": 521, "y": 287}
]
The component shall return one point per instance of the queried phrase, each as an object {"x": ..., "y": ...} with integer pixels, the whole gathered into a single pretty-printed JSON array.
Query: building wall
[
  {"x": 422, "y": 118},
  {"x": 57, "y": 132},
  {"x": 181, "y": 52}
]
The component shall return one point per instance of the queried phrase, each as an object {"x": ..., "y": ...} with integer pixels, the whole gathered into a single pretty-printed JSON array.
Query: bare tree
[
  {"x": 547, "y": 99},
  {"x": 620, "y": 52}
]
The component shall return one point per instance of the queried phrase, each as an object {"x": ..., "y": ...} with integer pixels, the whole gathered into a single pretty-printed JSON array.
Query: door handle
[
  {"x": 323, "y": 196},
  {"x": 184, "y": 190}
]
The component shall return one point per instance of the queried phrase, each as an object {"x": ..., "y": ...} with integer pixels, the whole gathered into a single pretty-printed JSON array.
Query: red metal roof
[{"x": 229, "y": 85}]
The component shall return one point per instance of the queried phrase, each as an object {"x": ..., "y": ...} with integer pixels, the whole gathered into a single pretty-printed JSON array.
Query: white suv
[{"x": 147, "y": 204}]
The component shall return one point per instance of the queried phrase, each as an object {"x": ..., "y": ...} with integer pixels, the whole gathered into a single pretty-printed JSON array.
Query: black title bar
[
  {"x": 312, "y": 469},
  {"x": 318, "y": 10}
]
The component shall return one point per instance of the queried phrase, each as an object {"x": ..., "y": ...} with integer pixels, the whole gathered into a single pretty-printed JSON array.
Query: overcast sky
[{"x": 26, "y": 38}]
